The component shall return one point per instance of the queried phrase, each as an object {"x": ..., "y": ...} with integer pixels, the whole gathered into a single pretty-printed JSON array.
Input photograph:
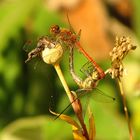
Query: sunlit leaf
[
  {"x": 66, "y": 118},
  {"x": 77, "y": 132}
]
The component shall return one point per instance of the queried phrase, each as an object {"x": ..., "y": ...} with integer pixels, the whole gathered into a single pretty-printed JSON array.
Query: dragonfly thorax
[
  {"x": 67, "y": 36},
  {"x": 95, "y": 75},
  {"x": 89, "y": 83}
]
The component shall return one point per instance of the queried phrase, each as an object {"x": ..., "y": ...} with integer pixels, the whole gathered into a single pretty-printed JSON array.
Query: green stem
[
  {"x": 125, "y": 108},
  {"x": 62, "y": 79}
]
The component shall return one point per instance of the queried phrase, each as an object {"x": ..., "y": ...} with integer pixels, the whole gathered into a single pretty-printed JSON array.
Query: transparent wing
[
  {"x": 101, "y": 96},
  {"x": 72, "y": 29},
  {"x": 87, "y": 68},
  {"x": 87, "y": 95},
  {"x": 70, "y": 26},
  {"x": 29, "y": 45},
  {"x": 96, "y": 95}
]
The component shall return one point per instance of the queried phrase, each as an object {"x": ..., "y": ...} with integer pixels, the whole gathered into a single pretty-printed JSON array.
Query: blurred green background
[{"x": 27, "y": 90}]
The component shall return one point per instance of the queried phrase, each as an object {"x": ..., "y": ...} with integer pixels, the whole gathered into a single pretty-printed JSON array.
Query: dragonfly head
[{"x": 55, "y": 29}]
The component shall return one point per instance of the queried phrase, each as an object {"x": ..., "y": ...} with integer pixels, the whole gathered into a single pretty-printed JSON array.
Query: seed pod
[
  {"x": 52, "y": 54},
  {"x": 122, "y": 47}
]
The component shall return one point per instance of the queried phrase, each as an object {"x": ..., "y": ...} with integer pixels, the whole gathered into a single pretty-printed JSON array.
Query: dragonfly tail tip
[{"x": 114, "y": 98}]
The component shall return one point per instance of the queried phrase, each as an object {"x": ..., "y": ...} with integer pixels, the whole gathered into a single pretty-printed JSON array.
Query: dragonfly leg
[{"x": 79, "y": 35}]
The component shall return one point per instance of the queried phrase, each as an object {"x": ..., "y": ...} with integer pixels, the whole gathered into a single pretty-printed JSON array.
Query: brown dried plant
[{"x": 122, "y": 47}]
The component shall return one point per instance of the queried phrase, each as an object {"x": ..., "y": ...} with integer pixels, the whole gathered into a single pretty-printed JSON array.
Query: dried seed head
[
  {"x": 122, "y": 47},
  {"x": 52, "y": 54}
]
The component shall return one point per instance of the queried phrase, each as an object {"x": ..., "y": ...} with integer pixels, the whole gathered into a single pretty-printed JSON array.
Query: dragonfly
[
  {"x": 91, "y": 73},
  {"x": 85, "y": 85},
  {"x": 69, "y": 39}
]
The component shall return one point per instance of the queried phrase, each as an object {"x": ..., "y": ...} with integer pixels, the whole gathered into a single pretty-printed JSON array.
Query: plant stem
[
  {"x": 62, "y": 79},
  {"x": 76, "y": 107},
  {"x": 125, "y": 108}
]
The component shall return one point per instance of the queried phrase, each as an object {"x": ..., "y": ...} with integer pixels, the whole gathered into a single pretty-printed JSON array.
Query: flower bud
[{"x": 52, "y": 53}]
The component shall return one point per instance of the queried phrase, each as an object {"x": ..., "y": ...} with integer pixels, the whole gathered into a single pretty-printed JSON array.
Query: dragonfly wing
[
  {"x": 72, "y": 29},
  {"x": 86, "y": 95},
  {"x": 29, "y": 45},
  {"x": 70, "y": 26},
  {"x": 87, "y": 68},
  {"x": 100, "y": 96},
  {"x": 96, "y": 95}
]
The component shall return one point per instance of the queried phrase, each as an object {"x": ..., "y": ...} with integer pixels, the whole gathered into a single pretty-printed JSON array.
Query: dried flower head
[{"x": 122, "y": 47}]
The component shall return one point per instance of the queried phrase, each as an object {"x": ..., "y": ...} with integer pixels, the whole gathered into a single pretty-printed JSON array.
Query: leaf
[
  {"x": 77, "y": 132},
  {"x": 66, "y": 118}
]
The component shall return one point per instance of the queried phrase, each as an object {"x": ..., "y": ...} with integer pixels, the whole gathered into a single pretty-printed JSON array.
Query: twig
[
  {"x": 122, "y": 47},
  {"x": 125, "y": 108}
]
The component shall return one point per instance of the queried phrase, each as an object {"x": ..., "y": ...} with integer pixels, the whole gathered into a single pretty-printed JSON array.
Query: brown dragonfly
[{"x": 68, "y": 39}]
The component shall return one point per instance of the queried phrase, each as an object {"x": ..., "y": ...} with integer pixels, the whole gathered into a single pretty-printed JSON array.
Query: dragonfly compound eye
[{"x": 55, "y": 29}]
